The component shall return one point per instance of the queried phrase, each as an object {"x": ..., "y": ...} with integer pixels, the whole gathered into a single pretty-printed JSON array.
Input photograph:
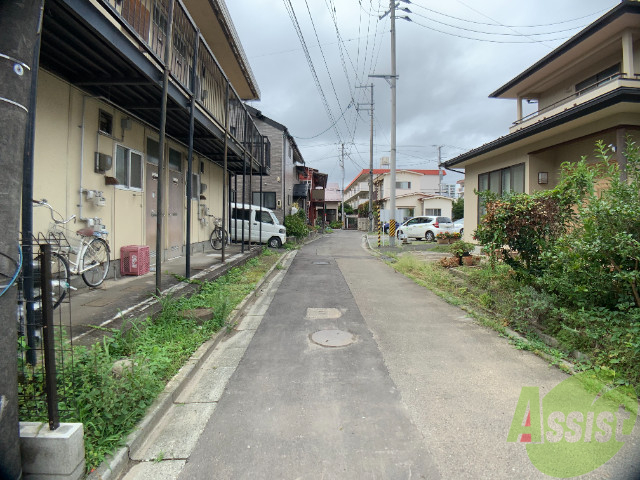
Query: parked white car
[
  {"x": 426, "y": 227},
  {"x": 265, "y": 227},
  {"x": 458, "y": 226}
]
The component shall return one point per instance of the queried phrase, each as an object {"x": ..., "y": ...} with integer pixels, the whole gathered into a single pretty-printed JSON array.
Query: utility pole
[
  {"x": 370, "y": 155},
  {"x": 20, "y": 24},
  {"x": 392, "y": 82},
  {"x": 392, "y": 199},
  {"x": 440, "y": 169},
  {"x": 344, "y": 224}
]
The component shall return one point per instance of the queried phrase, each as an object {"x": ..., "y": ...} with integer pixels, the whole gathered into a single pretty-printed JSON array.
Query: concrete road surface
[{"x": 416, "y": 389}]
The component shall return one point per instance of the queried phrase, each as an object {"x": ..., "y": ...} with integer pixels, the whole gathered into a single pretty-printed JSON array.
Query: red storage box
[{"x": 134, "y": 260}]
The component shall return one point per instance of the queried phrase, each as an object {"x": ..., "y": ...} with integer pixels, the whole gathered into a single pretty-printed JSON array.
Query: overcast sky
[{"x": 450, "y": 57}]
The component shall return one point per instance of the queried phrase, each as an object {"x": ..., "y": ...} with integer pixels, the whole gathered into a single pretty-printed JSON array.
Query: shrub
[
  {"x": 520, "y": 227},
  {"x": 296, "y": 224},
  {"x": 597, "y": 263}
]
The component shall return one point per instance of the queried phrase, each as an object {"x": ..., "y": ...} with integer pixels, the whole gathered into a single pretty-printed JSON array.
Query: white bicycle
[{"x": 92, "y": 254}]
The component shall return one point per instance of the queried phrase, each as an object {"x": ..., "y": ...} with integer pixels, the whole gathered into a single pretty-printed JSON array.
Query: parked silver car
[{"x": 426, "y": 227}]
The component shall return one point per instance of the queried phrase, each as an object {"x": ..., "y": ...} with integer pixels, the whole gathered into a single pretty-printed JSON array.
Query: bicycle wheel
[
  {"x": 216, "y": 238},
  {"x": 60, "y": 274},
  {"x": 95, "y": 261}
]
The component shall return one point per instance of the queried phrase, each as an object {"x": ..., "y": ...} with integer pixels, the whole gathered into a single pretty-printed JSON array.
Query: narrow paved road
[{"x": 422, "y": 392}]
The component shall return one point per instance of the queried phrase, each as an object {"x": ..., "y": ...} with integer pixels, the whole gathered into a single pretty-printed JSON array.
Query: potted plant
[
  {"x": 461, "y": 249},
  {"x": 447, "y": 237}
]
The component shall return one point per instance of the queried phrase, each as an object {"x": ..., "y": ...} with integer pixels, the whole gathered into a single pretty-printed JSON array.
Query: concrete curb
[{"x": 114, "y": 466}]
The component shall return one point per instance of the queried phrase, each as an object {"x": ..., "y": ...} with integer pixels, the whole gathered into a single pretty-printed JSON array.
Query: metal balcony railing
[
  {"x": 149, "y": 22},
  {"x": 573, "y": 96}
]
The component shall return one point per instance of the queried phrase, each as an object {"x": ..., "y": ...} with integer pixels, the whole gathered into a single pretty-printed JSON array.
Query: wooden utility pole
[{"x": 20, "y": 24}]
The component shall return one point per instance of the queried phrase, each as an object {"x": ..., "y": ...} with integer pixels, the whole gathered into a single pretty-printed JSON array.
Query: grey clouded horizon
[{"x": 450, "y": 56}]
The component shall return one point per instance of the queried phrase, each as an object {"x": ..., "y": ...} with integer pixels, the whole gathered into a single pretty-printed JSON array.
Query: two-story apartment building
[
  {"x": 110, "y": 150},
  {"x": 278, "y": 186},
  {"x": 587, "y": 89}
]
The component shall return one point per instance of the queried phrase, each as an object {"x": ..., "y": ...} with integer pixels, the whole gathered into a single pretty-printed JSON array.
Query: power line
[
  {"x": 508, "y": 26},
  {"x": 497, "y": 33},
  {"x": 296, "y": 26},
  {"x": 324, "y": 59},
  {"x": 487, "y": 39},
  {"x": 329, "y": 127}
]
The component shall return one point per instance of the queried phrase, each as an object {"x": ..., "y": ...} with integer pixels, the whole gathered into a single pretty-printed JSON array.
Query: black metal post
[
  {"x": 27, "y": 207},
  {"x": 235, "y": 217},
  {"x": 48, "y": 337},
  {"x": 244, "y": 176},
  {"x": 258, "y": 214},
  {"x": 262, "y": 161},
  {"x": 163, "y": 127},
  {"x": 194, "y": 72},
  {"x": 225, "y": 176}
]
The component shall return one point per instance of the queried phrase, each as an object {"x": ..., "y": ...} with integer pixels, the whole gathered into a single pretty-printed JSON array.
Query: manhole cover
[
  {"x": 320, "y": 263},
  {"x": 333, "y": 338}
]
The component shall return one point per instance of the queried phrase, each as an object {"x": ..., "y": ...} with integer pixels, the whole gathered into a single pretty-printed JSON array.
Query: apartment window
[
  {"x": 105, "y": 122},
  {"x": 506, "y": 180},
  {"x": 597, "y": 79},
  {"x": 268, "y": 199},
  {"x": 175, "y": 160},
  {"x": 433, "y": 212},
  {"x": 153, "y": 151},
  {"x": 128, "y": 168},
  {"x": 403, "y": 185}
]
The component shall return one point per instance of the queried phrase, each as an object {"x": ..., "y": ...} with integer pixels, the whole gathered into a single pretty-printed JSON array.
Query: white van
[{"x": 265, "y": 227}]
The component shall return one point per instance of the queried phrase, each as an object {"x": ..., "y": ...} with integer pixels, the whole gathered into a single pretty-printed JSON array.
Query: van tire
[{"x": 275, "y": 242}]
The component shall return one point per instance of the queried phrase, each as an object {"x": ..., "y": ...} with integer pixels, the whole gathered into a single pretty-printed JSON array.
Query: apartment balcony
[
  {"x": 115, "y": 51},
  {"x": 601, "y": 93}
]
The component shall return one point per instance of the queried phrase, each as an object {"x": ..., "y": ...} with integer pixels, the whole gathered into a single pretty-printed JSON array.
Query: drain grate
[
  {"x": 320, "y": 263},
  {"x": 333, "y": 338}
]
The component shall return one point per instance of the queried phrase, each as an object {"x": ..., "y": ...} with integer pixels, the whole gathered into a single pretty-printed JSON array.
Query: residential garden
[{"x": 561, "y": 265}]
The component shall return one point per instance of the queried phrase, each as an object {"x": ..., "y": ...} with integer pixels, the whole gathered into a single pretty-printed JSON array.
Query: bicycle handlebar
[{"x": 43, "y": 203}]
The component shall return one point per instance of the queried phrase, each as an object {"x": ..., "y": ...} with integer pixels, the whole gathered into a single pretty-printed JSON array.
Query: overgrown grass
[
  {"x": 155, "y": 349},
  {"x": 496, "y": 298}
]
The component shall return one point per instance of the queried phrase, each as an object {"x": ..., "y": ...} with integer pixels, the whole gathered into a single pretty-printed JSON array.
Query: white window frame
[{"x": 128, "y": 152}]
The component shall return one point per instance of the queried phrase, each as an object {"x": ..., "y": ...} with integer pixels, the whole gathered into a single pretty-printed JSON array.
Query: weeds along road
[{"x": 418, "y": 390}]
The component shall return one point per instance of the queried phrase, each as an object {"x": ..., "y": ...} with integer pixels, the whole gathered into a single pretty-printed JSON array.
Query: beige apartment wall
[
  {"x": 202, "y": 225},
  {"x": 66, "y": 142}
]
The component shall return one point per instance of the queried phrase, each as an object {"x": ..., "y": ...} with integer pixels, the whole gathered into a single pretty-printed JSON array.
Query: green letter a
[{"x": 526, "y": 420}]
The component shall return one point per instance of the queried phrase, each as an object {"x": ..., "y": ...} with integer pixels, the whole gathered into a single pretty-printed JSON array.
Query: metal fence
[{"x": 45, "y": 350}]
